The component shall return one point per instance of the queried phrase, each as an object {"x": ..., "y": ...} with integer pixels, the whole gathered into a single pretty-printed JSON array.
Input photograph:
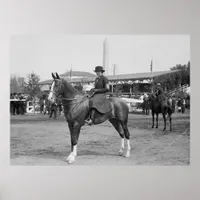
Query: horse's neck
[{"x": 69, "y": 90}]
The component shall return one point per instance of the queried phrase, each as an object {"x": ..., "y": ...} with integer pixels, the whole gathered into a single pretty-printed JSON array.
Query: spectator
[
  {"x": 173, "y": 103},
  {"x": 53, "y": 110},
  {"x": 179, "y": 104},
  {"x": 183, "y": 105},
  {"x": 11, "y": 104}
]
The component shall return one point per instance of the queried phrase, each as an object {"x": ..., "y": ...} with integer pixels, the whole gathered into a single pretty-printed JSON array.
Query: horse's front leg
[
  {"x": 152, "y": 119},
  {"x": 156, "y": 120},
  {"x": 74, "y": 133},
  {"x": 170, "y": 121}
]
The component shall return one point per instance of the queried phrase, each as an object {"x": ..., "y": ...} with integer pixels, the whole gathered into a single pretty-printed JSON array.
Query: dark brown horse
[
  {"x": 157, "y": 107},
  {"x": 76, "y": 110}
]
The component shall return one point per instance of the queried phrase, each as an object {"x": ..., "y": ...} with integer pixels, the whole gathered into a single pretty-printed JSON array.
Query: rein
[
  {"x": 68, "y": 99},
  {"x": 71, "y": 99}
]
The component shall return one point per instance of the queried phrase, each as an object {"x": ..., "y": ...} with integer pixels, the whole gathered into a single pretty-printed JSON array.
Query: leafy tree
[
  {"x": 16, "y": 84},
  {"x": 183, "y": 74},
  {"x": 32, "y": 87},
  {"x": 173, "y": 80}
]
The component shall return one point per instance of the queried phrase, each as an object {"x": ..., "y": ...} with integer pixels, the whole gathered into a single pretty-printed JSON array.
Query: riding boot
[{"x": 90, "y": 120}]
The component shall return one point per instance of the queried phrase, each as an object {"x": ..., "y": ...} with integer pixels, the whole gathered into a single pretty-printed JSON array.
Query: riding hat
[
  {"x": 99, "y": 69},
  {"x": 159, "y": 84}
]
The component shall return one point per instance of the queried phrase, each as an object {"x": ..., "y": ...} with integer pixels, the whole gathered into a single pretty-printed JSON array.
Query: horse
[
  {"x": 76, "y": 111},
  {"x": 157, "y": 107}
]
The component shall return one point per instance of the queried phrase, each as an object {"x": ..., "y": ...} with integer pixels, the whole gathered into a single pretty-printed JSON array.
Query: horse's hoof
[
  {"x": 156, "y": 127},
  {"x": 70, "y": 159},
  {"x": 170, "y": 129},
  {"x": 152, "y": 127},
  {"x": 164, "y": 129},
  {"x": 127, "y": 154}
]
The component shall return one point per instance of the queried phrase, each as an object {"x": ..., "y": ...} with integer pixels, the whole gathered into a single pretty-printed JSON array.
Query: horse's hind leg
[
  {"x": 118, "y": 127},
  {"x": 170, "y": 119},
  {"x": 127, "y": 135},
  {"x": 152, "y": 120},
  {"x": 164, "y": 118}
]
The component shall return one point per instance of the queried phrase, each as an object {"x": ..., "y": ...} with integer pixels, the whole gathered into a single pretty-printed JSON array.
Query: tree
[
  {"x": 32, "y": 87},
  {"x": 16, "y": 84},
  {"x": 183, "y": 74},
  {"x": 172, "y": 80}
]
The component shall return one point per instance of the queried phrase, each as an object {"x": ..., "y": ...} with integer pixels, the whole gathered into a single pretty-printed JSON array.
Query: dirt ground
[{"x": 38, "y": 140}]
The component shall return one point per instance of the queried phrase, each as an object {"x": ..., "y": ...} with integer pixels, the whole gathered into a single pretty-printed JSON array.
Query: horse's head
[
  {"x": 56, "y": 88},
  {"x": 151, "y": 97}
]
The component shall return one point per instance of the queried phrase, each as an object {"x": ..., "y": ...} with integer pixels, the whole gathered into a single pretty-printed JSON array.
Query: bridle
[{"x": 67, "y": 99}]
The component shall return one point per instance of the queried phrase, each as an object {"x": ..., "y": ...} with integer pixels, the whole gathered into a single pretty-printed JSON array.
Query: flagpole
[
  {"x": 151, "y": 75},
  {"x": 71, "y": 74}
]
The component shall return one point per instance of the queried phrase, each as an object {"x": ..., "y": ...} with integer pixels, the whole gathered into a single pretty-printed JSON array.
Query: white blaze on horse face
[{"x": 51, "y": 92}]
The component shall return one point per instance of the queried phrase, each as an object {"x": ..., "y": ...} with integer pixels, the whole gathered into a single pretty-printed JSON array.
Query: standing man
[
  {"x": 173, "y": 103},
  {"x": 179, "y": 104},
  {"x": 183, "y": 105}
]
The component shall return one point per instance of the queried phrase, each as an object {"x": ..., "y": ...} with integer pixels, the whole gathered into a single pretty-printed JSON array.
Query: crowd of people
[
  {"x": 17, "y": 104},
  {"x": 177, "y": 103},
  {"x": 51, "y": 109}
]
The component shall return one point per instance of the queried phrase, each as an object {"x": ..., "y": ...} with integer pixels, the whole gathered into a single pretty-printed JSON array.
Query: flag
[{"x": 151, "y": 66}]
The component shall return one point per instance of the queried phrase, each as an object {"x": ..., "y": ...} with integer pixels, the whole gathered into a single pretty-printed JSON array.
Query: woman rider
[{"x": 98, "y": 99}]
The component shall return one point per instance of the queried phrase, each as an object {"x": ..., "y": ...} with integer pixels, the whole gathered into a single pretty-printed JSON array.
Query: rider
[
  {"x": 98, "y": 95},
  {"x": 159, "y": 91}
]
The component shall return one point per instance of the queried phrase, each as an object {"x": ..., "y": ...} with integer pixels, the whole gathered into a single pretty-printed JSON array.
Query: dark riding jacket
[
  {"x": 100, "y": 85},
  {"x": 159, "y": 91},
  {"x": 99, "y": 100}
]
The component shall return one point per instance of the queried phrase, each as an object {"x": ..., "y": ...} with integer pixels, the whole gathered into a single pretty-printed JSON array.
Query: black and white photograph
[{"x": 100, "y": 100}]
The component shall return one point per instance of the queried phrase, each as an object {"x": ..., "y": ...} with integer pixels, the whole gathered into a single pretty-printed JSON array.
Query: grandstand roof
[
  {"x": 78, "y": 73},
  {"x": 121, "y": 77}
]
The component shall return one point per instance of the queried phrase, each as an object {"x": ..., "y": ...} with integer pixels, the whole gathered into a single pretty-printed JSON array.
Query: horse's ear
[
  {"x": 58, "y": 77},
  {"x": 53, "y": 75}
]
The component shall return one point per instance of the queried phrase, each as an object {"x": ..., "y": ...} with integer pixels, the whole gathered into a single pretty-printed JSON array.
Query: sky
[{"x": 44, "y": 54}]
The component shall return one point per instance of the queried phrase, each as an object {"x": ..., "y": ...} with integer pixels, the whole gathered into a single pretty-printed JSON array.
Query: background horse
[
  {"x": 157, "y": 107},
  {"x": 76, "y": 110}
]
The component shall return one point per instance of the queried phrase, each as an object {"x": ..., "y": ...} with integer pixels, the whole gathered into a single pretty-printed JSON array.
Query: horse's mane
[{"x": 72, "y": 88}]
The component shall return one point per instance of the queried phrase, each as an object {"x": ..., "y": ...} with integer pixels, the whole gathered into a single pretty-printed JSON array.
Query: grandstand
[{"x": 126, "y": 81}]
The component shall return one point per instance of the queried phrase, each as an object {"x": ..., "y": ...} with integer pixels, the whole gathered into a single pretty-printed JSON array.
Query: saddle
[
  {"x": 101, "y": 103},
  {"x": 164, "y": 101}
]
